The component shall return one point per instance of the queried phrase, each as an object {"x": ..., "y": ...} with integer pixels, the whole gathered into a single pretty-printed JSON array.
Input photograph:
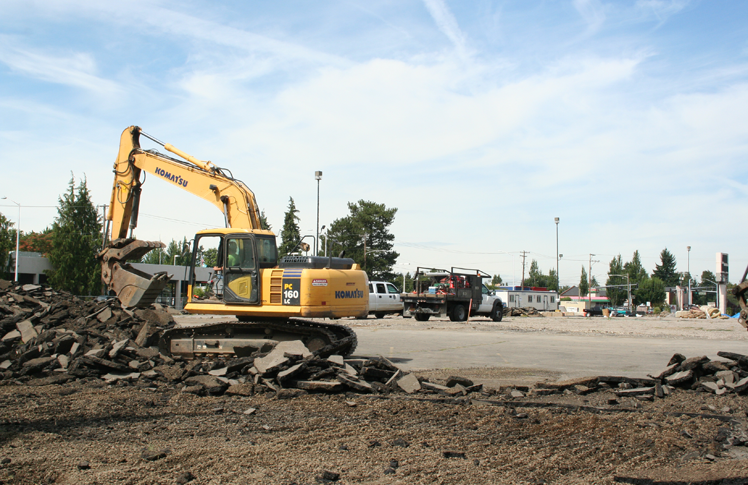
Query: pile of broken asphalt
[{"x": 51, "y": 337}]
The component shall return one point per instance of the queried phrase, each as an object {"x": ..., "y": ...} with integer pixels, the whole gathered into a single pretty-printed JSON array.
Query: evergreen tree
[
  {"x": 290, "y": 234},
  {"x": 666, "y": 271},
  {"x": 616, "y": 295},
  {"x": 178, "y": 253},
  {"x": 75, "y": 242},
  {"x": 635, "y": 270},
  {"x": 364, "y": 236},
  {"x": 584, "y": 285},
  {"x": 210, "y": 257},
  {"x": 651, "y": 290},
  {"x": 496, "y": 281},
  {"x": 264, "y": 224},
  {"x": 7, "y": 244},
  {"x": 552, "y": 280},
  {"x": 537, "y": 278}
]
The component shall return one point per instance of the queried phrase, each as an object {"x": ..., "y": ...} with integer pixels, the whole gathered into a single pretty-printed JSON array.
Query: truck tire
[
  {"x": 497, "y": 313},
  {"x": 458, "y": 313},
  {"x": 379, "y": 314},
  {"x": 420, "y": 317}
]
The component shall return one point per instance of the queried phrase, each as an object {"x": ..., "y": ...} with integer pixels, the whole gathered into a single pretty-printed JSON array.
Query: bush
[{"x": 565, "y": 298}]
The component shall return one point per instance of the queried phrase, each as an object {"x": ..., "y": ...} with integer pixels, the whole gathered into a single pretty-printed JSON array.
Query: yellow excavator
[{"x": 272, "y": 299}]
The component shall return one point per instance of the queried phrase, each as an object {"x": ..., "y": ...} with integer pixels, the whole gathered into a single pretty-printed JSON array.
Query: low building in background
[{"x": 539, "y": 298}]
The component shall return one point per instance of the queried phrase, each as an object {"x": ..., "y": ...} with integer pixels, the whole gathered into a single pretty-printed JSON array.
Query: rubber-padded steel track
[{"x": 341, "y": 340}]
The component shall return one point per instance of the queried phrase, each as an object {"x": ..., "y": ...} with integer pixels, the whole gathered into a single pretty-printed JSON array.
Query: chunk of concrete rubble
[
  {"x": 409, "y": 383},
  {"x": 289, "y": 372},
  {"x": 146, "y": 335},
  {"x": 455, "y": 380},
  {"x": 116, "y": 376},
  {"x": 104, "y": 315},
  {"x": 741, "y": 385},
  {"x": 638, "y": 391},
  {"x": 680, "y": 377},
  {"x": 355, "y": 384},
  {"x": 26, "y": 327},
  {"x": 728, "y": 377},
  {"x": 212, "y": 384},
  {"x": 693, "y": 362},
  {"x": 337, "y": 360},
  {"x": 293, "y": 348},
  {"x": 455, "y": 390},
  {"x": 241, "y": 389},
  {"x": 514, "y": 393},
  {"x": 272, "y": 361},
  {"x": 35, "y": 365},
  {"x": 218, "y": 372},
  {"x": 95, "y": 353},
  {"x": 327, "y": 386},
  {"x": 433, "y": 387},
  {"x": 117, "y": 348},
  {"x": 12, "y": 335}
]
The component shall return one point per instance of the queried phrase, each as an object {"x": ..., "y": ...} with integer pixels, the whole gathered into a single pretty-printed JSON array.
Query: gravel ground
[{"x": 91, "y": 433}]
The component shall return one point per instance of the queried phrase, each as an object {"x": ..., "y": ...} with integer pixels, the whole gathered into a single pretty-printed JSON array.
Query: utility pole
[
  {"x": 689, "y": 276},
  {"x": 558, "y": 279},
  {"x": 589, "y": 277},
  {"x": 524, "y": 255}
]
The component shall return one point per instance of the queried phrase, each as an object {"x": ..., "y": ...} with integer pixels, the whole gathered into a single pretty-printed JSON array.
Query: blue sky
[{"x": 480, "y": 121}]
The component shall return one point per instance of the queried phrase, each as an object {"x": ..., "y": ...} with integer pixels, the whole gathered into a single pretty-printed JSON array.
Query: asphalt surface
[
  {"x": 520, "y": 344},
  {"x": 570, "y": 355}
]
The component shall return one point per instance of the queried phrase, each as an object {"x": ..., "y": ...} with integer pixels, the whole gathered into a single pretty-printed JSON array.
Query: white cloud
[
  {"x": 57, "y": 66},
  {"x": 447, "y": 24},
  {"x": 592, "y": 13}
]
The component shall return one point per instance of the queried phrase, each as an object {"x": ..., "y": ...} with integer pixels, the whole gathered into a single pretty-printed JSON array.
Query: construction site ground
[{"x": 86, "y": 431}]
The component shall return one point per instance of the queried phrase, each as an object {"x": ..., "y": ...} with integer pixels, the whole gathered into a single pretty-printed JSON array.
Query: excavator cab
[{"x": 240, "y": 258}]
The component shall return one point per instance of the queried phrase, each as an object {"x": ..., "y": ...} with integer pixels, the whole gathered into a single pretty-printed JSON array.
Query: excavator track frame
[{"x": 243, "y": 338}]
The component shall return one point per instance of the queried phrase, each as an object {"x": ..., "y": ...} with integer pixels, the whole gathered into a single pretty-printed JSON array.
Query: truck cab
[{"x": 384, "y": 298}]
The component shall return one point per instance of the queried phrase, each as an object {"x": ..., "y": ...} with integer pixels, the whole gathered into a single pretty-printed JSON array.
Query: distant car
[{"x": 594, "y": 312}]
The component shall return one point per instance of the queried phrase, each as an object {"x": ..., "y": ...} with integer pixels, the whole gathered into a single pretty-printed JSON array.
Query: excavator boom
[{"x": 202, "y": 178}]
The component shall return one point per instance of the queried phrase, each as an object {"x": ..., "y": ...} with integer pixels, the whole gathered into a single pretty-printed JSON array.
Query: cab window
[
  {"x": 267, "y": 252},
  {"x": 380, "y": 288},
  {"x": 392, "y": 289},
  {"x": 239, "y": 254}
]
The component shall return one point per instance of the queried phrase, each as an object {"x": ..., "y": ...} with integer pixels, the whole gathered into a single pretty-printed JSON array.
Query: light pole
[
  {"x": 689, "y": 276},
  {"x": 558, "y": 284},
  {"x": 18, "y": 234},
  {"x": 318, "y": 177}
]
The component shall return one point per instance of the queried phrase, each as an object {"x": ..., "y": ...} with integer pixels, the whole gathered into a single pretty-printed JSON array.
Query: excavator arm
[{"x": 202, "y": 178}]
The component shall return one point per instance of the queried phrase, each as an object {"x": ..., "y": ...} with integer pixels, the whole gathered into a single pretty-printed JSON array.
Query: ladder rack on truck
[{"x": 456, "y": 293}]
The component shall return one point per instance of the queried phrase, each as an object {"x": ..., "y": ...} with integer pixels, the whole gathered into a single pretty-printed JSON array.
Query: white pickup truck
[{"x": 384, "y": 298}]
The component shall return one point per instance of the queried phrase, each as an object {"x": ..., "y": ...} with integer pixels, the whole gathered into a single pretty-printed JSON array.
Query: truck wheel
[
  {"x": 459, "y": 313},
  {"x": 379, "y": 314},
  {"x": 497, "y": 313},
  {"x": 420, "y": 317}
]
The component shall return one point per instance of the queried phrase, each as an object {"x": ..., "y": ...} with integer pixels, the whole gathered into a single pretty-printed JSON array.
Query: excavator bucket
[{"x": 134, "y": 288}]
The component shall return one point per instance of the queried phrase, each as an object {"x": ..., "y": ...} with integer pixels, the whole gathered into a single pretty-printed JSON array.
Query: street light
[
  {"x": 689, "y": 276},
  {"x": 318, "y": 177},
  {"x": 18, "y": 233},
  {"x": 558, "y": 284}
]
